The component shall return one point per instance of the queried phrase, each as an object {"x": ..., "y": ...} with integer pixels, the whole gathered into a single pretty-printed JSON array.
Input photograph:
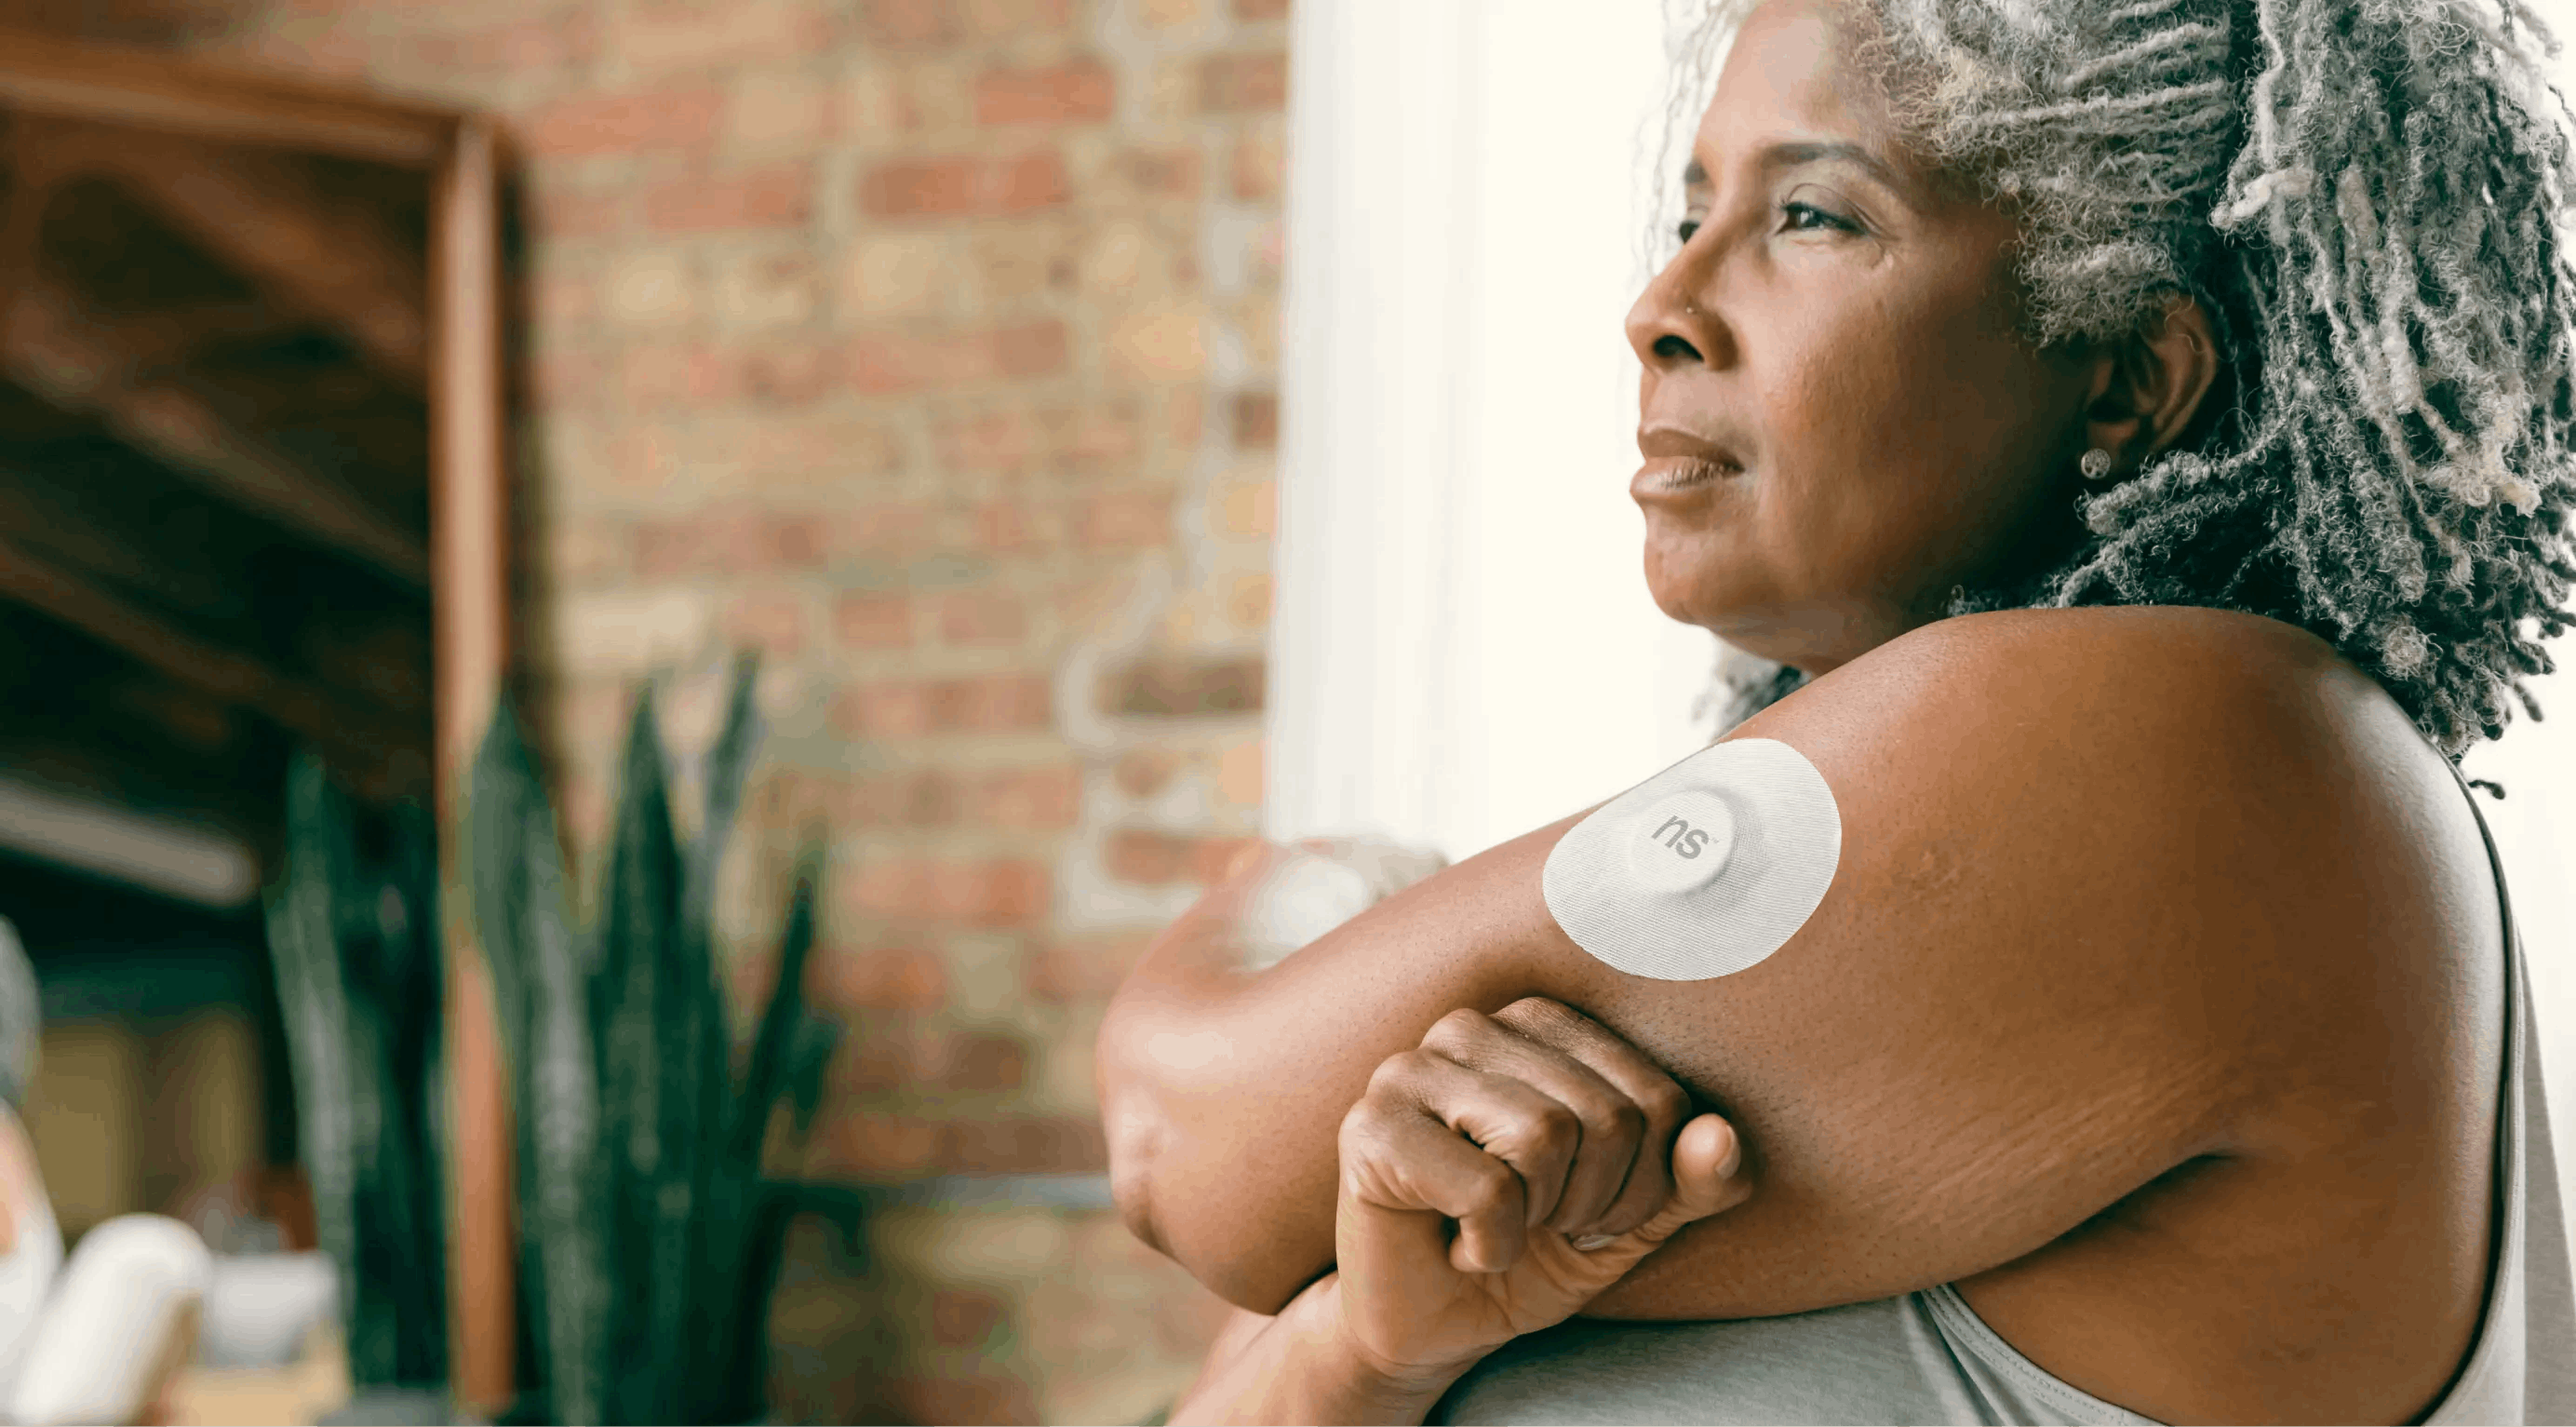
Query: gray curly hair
[{"x": 2366, "y": 198}]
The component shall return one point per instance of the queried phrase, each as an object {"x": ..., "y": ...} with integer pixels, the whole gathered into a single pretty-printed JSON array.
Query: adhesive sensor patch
[{"x": 1704, "y": 869}]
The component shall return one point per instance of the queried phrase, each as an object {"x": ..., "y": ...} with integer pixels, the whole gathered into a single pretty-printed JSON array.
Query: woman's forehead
[{"x": 1789, "y": 78}]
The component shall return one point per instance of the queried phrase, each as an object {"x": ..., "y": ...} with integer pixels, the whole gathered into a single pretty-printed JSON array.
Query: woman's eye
[
  {"x": 1808, "y": 218},
  {"x": 1689, "y": 229}
]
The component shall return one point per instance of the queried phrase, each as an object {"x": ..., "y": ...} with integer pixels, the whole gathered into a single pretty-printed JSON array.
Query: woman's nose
[{"x": 1671, "y": 325}]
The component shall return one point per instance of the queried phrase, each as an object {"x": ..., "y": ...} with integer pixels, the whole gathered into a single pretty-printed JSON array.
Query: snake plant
[{"x": 649, "y": 1236}]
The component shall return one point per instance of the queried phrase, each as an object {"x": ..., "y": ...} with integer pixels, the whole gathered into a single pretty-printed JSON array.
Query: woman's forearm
[
  {"x": 1223, "y": 1089},
  {"x": 1301, "y": 1367}
]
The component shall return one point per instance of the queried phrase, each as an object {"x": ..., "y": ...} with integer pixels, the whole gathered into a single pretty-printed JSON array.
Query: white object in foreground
[{"x": 120, "y": 1322}]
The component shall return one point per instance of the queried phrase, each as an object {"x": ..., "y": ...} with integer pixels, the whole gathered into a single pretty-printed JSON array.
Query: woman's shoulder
[
  {"x": 2138, "y": 707},
  {"x": 2130, "y": 773}
]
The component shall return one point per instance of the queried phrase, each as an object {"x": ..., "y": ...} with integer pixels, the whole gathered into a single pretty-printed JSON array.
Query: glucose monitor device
[{"x": 1704, "y": 869}]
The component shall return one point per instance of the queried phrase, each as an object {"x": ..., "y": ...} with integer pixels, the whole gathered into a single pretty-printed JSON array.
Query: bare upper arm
[{"x": 2069, "y": 901}]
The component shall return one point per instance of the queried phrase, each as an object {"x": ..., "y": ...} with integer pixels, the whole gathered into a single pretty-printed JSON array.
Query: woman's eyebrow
[{"x": 1798, "y": 153}]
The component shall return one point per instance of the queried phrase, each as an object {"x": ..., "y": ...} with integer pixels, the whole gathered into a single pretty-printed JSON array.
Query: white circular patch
[
  {"x": 1681, "y": 842},
  {"x": 1703, "y": 870}
]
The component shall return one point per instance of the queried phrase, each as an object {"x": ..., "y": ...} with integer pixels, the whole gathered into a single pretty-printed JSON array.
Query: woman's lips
[{"x": 1672, "y": 475}]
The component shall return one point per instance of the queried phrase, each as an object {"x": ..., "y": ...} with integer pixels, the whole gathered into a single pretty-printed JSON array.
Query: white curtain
[{"x": 1464, "y": 648}]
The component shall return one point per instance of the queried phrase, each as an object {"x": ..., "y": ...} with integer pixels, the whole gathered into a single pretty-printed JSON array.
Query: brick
[
  {"x": 1017, "y": 19},
  {"x": 822, "y": 448},
  {"x": 1003, "y": 1401},
  {"x": 961, "y": 187},
  {"x": 874, "y": 622},
  {"x": 1077, "y": 92},
  {"x": 868, "y": 1147},
  {"x": 1146, "y": 772},
  {"x": 770, "y": 111},
  {"x": 1082, "y": 970},
  {"x": 875, "y": 1064},
  {"x": 891, "y": 274},
  {"x": 1148, "y": 859},
  {"x": 780, "y": 197},
  {"x": 879, "y": 978},
  {"x": 995, "y": 703},
  {"x": 768, "y": 290},
  {"x": 886, "y": 530},
  {"x": 1248, "y": 508},
  {"x": 1159, "y": 345},
  {"x": 1156, "y": 859},
  {"x": 1095, "y": 438},
  {"x": 1239, "y": 774},
  {"x": 1160, "y": 173},
  {"x": 771, "y": 623},
  {"x": 995, "y": 893},
  {"x": 909, "y": 24},
  {"x": 965, "y": 1318},
  {"x": 519, "y": 48},
  {"x": 983, "y": 617},
  {"x": 663, "y": 375},
  {"x": 1243, "y": 83},
  {"x": 1126, "y": 520},
  {"x": 790, "y": 801},
  {"x": 903, "y": 709},
  {"x": 652, "y": 289},
  {"x": 1026, "y": 800},
  {"x": 985, "y": 703},
  {"x": 626, "y": 123},
  {"x": 1014, "y": 526},
  {"x": 1248, "y": 601},
  {"x": 661, "y": 36},
  {"x": 891, "y": 363},
  {"x": 919, "y": 798},
  {"x": 983, "y": 1062},
  {"x": 564, "y": 380},
  {"x": 1180, "y": 687},
  {"x": 786, "y": 374},
  {"x": 559, "y": 213},
  {"x": 1022, "y": 1146},
  {"x": 1258, "y": 171},
  {"x": 1256, "y": 421},
  {"x": 1165, "y": 14}
]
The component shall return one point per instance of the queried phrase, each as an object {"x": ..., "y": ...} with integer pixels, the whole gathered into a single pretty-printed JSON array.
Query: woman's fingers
[
  {"x": 1515, "y": 1122},
  {"x": 1661, "y": 1103},
  {"x": 1612, "y": 1124},
  {"x": 1403, "y": 1171}
]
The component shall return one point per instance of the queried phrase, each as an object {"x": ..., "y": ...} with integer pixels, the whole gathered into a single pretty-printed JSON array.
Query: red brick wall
[{"x": 929, "y": 345}]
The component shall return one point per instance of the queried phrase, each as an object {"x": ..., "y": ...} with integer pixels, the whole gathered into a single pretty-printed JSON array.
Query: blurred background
[{"x": 1094, "y": 508}]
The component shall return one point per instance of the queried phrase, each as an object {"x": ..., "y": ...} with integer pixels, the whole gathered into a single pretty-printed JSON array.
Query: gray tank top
[{"x": 1927, "y": 1357}]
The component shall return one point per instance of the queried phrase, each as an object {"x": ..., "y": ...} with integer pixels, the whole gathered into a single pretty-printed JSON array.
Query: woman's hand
[
  {"x": 1503, "y": 1174},
  {"x": 1470, "y": 1172}
]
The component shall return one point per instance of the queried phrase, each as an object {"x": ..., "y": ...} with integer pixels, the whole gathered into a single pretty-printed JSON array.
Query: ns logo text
[{"x": 1686, "y": 840}]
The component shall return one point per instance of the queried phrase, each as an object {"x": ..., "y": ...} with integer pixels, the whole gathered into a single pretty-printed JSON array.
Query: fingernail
[{"x": 1588, "y": 1242}]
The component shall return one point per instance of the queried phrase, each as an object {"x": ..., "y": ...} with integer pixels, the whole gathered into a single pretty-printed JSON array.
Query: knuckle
[
  {"x": 1395, "y": 1075},
  {"x": 1490, "y": 1188},
  {"x": 1666, "y": 1103},
  {"x": 1460, "y": 1027},
  {"x": 1626, "y": 1119},
  {"x": 1556, "y": 1127},
  {"x": 1533, "y": 1015}
]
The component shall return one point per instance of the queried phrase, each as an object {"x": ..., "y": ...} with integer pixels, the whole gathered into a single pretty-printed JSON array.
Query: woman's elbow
[{"x": 1201, "y": 1237}]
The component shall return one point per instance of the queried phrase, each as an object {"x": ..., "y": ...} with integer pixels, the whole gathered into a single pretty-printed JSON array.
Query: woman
[{"x": 2139, "y": 433}]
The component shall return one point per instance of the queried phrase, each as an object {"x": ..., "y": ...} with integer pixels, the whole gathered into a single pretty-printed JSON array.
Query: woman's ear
[{"x": 2146, "y": 387}]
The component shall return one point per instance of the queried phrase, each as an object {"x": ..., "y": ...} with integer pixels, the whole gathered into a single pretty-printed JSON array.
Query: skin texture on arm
[{"x": 2010, "y": 1012}]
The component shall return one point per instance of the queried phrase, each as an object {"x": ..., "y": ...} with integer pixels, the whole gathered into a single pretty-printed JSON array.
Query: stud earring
[{"x": 2095, "y": 465}]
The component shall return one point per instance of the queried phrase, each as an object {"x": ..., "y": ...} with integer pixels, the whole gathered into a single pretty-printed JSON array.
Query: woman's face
[{"x": 1840, "y": 420}]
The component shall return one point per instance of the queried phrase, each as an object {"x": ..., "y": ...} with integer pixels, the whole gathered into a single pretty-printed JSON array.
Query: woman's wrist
[
  {"x": 1408, "y": 1388},
  {"x": 1306, "y": 1366}
]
